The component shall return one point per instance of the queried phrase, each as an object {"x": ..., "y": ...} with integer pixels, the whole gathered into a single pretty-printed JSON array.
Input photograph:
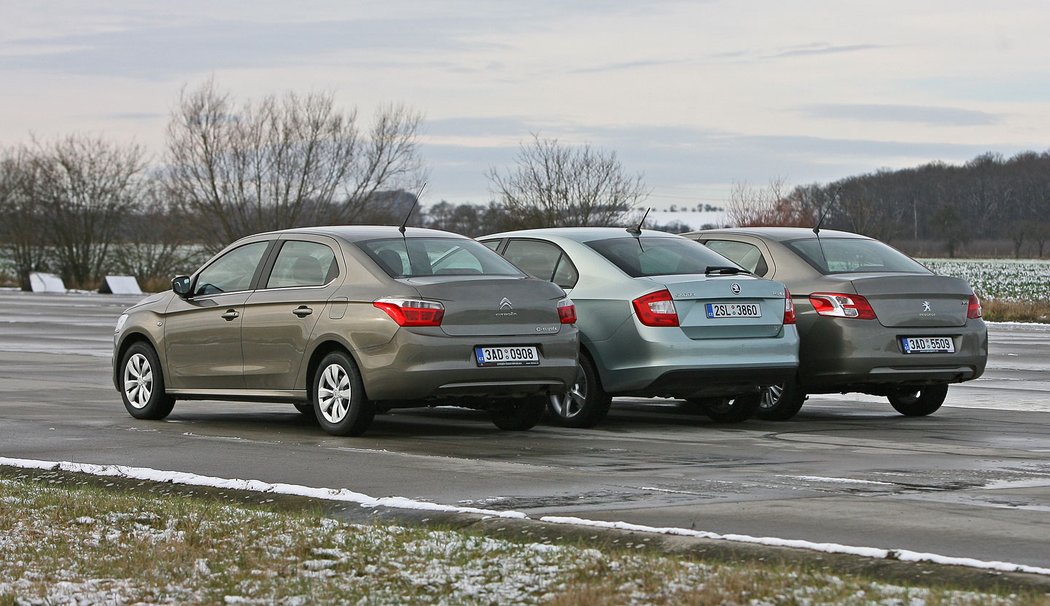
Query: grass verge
[
  {"x": 1012, "y": 311},
  {"x": 71, "y": 539}
]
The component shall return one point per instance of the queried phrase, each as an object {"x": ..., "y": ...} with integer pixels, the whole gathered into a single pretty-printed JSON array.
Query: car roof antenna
[
  {"x": 816, "y": 232},
  {"x": 823, "y": 215},
  {"x": 414, "y": 203},
  {"x": 637, "y": 230}
]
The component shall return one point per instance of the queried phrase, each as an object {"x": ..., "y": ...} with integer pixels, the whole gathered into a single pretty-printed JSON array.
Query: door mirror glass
[{"x": 181, "y": 285}]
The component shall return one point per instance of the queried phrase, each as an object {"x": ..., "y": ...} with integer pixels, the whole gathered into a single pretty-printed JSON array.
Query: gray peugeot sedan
[
  {"x": 345, "y": 321},
  {"x": 660, "y": 315},
  {"x": 870, "y": 318}
]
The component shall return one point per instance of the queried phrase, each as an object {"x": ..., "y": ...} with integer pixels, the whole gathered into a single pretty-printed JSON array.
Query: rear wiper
[{"x": 725, "y": 270}]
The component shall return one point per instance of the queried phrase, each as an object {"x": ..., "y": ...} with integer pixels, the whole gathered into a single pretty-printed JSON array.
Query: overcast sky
[{"x": 695, "y": 96}]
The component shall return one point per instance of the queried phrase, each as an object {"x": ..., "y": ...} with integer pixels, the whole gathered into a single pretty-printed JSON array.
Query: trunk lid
[
  {"x": 493, "y": 306},
  {"x": 914, "y": 300},
  {"x": 692, "y": 294}
]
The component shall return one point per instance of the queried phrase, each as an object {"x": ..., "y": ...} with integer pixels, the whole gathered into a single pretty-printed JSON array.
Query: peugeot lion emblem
[
  {"x": 926, "y": 306},
  {"x": 505, "y": 304},
  {"x": 735, "y": 288}
]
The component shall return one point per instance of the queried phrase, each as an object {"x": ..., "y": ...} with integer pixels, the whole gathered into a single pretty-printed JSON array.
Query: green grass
[{"x": 65, "y": 541}]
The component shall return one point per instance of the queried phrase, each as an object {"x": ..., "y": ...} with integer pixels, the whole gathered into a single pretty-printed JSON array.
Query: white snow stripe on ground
[{"x": 191, "y": 479}]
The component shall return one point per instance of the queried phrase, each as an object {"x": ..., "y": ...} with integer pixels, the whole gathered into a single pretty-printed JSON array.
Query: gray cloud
[
  {"x": 164, "y": 52},
  {"x": 135, "y": 116},
  {"x": 824, "y": 49},
  {"x": 933, "y": 116},
  {"x": 627, "y": 65}
]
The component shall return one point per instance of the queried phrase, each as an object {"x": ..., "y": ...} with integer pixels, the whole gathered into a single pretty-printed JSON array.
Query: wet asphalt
[{"x": 972, "y": 480}]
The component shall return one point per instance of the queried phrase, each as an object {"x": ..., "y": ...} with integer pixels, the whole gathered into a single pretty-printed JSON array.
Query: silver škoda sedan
[{"x": 660, "y": 315}]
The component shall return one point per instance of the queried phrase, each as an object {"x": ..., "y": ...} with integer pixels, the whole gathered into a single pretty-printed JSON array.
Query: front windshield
[
  {"x": 415, "y": 257},
  {"x": 661, "y": 256},
  {"x": 853, "y": 255}
]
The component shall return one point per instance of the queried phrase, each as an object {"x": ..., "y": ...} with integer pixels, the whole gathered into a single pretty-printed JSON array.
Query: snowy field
[{"x": 1002, "y": 279}]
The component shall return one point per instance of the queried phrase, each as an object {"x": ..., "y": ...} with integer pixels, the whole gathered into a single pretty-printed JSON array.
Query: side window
[
  {"x": 539, "y": 259},
  {"x": 743, "y": 254},
  {"x": 491, "y": 244},
  {"x": 565, "y": 274},
  {"x": 231, "y": 272},
  {"x": 303, "y": 264}
]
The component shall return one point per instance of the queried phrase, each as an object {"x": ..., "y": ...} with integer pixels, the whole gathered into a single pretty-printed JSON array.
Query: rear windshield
[
  {"x": 853, "y": 255},
  {"x": 414, "y": 257},
  {"x": 638, "y": 257}
]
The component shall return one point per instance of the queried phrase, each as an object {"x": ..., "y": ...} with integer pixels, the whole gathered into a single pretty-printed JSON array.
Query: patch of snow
[
  {"x": 869, "y": 552},
  {"x": 192, "y": 479},
  {"x": 837, "y": 480},
  {"x": 1038, "y": 326}
]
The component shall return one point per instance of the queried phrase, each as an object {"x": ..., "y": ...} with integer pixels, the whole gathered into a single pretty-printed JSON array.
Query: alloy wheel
[
  {"x": 771, "y": 397},
  {"x": 334, "y": 393},
  {"x": 138, "y": 381},
  {"x": 573, "y": 402}
]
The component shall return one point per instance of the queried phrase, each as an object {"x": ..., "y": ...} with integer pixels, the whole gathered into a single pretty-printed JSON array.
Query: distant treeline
[{"x": 988, "y": 198}]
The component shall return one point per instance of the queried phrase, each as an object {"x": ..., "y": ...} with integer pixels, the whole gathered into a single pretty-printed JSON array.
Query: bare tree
[
  {"x": 554, "y": 185},
  {"x": 773, "y": 206},
  {"x": 155, "y": 244},
  {"x": 85, "y": 187},
  {"x": 390, "y": 156},
  {"x": 1041, "y": 235},
  {"x": 282, "y": 162},
  {"x": 468, "y": 219},
  {"x": 23, "y": 230}
]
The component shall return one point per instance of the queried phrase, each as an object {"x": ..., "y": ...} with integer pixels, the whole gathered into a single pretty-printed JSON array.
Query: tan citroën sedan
[{"x": 342, "y": 321}]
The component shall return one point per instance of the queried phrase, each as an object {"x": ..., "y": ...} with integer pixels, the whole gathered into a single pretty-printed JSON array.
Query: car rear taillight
[
  {"x": 412, "y": 312},
  {"x": 973, "y": 308},
  {"x": 789, "y": 308},
  {"x": 567, "y": 311},
  {"x": 841, "y": 305},
  {"x": 656, "y": 309}
]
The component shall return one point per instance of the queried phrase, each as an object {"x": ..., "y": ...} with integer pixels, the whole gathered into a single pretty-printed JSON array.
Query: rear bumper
[
  {"x": 415, "y": 366},
  {"x": 860, "y": 355},
  {"x": 710, "y": 382},
  {"x": 650, "y": 361}
]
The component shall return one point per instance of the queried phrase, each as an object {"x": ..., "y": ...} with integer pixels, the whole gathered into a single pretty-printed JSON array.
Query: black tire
[
  {"x": 518, "y": 414},
  {"x": 912, "y": 402},
  {"x": 142, "y": 383},
  {"x": 586, "y": 403},
  {"x": 781, "y": 402},
  {"x": 730, "y": 410},
  {"x": 338, "y": 397}
]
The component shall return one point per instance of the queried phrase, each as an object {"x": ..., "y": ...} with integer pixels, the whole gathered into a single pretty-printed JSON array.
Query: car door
[
  {"x": 202, "y": 333},
  {"x": 280, "y": 316}
]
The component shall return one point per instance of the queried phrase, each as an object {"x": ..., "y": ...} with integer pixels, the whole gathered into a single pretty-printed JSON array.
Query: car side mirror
[{"x": 181, "y": 285}]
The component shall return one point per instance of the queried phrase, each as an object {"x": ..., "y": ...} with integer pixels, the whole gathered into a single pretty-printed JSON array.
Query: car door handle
[
  {"x": 230, "y": 314},
  {"x": 302, "y": 311}
]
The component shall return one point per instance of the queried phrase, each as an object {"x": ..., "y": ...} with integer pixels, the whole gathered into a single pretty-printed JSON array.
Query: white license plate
[
  {"x": 734, "y": 310},
  {"x": 507, "y": 356},
  {"x": 927, "y": 345}
]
